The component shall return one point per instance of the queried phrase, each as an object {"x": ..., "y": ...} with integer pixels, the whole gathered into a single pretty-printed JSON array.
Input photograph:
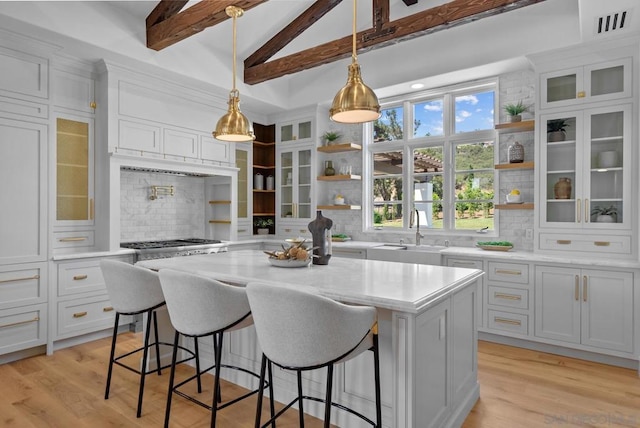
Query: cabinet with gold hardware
[
  {"x": 295, "y": 131},
  {"x": 587, "y": 308},
  {"x": 295, "y": 189},
  {"x": 81, "y": 301},
  {"x": 73, "y": 88},
  {"x": 507, "y": 297},
  {"x": 23, "y": 307}
]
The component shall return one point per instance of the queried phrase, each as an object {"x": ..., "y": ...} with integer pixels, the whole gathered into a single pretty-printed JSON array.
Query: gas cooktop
[{"x": 170, "y": 243}]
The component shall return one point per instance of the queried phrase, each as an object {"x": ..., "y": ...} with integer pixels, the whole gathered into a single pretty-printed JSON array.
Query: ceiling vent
[{"x": 607, "y": 24}]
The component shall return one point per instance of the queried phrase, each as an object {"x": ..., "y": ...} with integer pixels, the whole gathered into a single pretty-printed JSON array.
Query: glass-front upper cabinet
[
  {"x": 596, "y": 82},
  {"x": 586, "y": 160},
  {"x": 299, "y": 131},
  {"x": 242, "y": 163},
  {"x": 295, "y": 184},
  {"x": 74, "y": 170}
]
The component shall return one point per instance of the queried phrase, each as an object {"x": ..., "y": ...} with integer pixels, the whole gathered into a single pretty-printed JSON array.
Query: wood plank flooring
[{"x": 518, "y": 388}]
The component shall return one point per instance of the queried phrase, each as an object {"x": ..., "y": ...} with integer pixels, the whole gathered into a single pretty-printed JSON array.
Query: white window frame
[{"x": 448, "y": 141}]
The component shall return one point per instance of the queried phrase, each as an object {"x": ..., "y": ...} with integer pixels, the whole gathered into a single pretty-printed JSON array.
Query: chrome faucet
[{"x": 418, "y": 235}]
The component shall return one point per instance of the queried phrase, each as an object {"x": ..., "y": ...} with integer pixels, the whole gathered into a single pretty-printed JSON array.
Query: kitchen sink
[{"x": 406, "y": 253}]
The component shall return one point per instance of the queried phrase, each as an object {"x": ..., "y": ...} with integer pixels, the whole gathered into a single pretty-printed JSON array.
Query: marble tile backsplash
[{"x": 168, "y": 217}]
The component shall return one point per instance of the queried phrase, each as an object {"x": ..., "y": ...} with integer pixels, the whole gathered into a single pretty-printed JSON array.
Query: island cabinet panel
[{"x": 464, "y": 343}]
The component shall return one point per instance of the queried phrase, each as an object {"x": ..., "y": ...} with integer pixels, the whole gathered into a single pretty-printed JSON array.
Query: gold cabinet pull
[
  {"x": 79, "y": 314},
  {"x": 507, "y": 296},
  {"x": 507, "y": 321},
  {"x": 586, "y": 211},
  {"x": 73, "y": 239},
  {"x": 26, "y": 278},
  {"x": 457, "y": 263},
  {"x": 601, "y": 243},
  {"x": 584, "y": 288},
  {"x": 79, "y": 277},
  {"x": 92, "y": 208},
  {"x": 13, "y": 324},
  {"x": 581, "y": 94},
  {"x": 508, "y": 272},
  {"x": 92, "y": 104},
  {"x": 578, "y": 215},
  {"x": 107, "y": 309},
  {"x": 563, "y": 241},
  {"x": 576, "y": 293}
]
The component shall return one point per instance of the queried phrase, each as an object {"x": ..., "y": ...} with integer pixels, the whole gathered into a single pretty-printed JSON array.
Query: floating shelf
[
  {"x": 264, "y": 166},
  {"x": 521, "y": 165},
  {"x": 338, "y": 207},
  {"x": 263, "y": 191},
  {"x": 219, "y": 202},
  {"x": 523, "y": 126},
  {"x": 260, "y": 143},
  {"x": 337, "y": 148},
  {"x": 524, "y": 206},
  {"x": 220, "y": 221},
  {"x": 266, "y": 214},
  {"x": 339, "y": 177}
]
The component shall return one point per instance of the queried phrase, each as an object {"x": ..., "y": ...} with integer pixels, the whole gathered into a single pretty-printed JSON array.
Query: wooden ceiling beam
[
  {"x": 307, "y": 18},
  {"x": 179, "y": 26},
  {"x": 448, "y": 15},
  {"x": 165, "y": 10}
]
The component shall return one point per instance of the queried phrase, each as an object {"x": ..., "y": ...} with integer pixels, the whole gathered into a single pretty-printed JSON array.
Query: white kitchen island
[{"x": 427, "y": 330}]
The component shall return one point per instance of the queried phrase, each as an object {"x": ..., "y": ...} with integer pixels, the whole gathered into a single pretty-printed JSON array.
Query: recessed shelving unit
[
  {"x": 264, "y": 162},
  {"x": 522, "y": 126}
]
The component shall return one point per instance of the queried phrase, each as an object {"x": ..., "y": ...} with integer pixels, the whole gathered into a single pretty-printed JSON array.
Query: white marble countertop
[{"x": 402, "y": 287}]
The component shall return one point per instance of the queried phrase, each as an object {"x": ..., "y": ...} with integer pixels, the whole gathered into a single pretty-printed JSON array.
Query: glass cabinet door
[
  {"x": 295, "y": 184},
  {"x": 74, "y": 180},
  {"x": 561, "y": 86},
  {"x": 242, "y": 162},
  {"x": 295, "y": 131}
]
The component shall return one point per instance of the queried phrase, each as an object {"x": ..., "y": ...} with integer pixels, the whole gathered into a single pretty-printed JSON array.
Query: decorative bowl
[{"x": 289, "y": 263}]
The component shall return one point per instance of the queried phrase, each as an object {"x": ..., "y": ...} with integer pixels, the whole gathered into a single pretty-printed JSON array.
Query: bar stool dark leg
[
  {"x": 300, "y": 406},
  {"x": 216, "y": 388},
  {"x": 376, "y": 368},
  {"x": 263, "y": 367},
  {"x": 272, "y": 406},
  {"x": 217, "y": 351},
  {"x": 155, "y": 330},
  {"x": 196, "y": 350},
  {"x": 327, "y": 403},
  {"x": 143, "y": 371},
  {"x": 174, "y": 358},
  {"x": 113, "y": 353}
]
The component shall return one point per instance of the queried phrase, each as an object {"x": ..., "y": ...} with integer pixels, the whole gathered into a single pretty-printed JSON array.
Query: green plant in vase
[
  {"x": 263, "y": 224},
  {"x": 556, "y": 130},
  {"x": 330, "y": 137},
  {"x": 605, "y": 214},
  {"x": 515, "y": 111}
]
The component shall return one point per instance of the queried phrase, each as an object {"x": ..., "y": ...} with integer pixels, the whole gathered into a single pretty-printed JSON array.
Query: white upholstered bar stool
[
  {"x": 200, "y": 307},
  {"x": 298, "y": 330},
  {"x": 134, "y": 290}
]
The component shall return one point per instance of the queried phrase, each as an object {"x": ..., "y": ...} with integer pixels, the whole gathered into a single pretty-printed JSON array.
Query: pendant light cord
[
  {"x": 354, "y": 56},
  {"x": 235, "y": 17}
]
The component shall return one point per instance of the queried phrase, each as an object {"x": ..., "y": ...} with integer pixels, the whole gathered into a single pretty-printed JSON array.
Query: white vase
[
  {"x": 264, "y": 231},
  {"x": 605, "y": 218}
]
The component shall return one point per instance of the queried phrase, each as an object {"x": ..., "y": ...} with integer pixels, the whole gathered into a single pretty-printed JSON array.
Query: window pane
[
  {"x": 389, "y": 126},
  {"x": 474, "y": 196},
  {"x": 428, "y": 118},
  {"x": 474, "y": 156},
  {"x": 474, "y": 112},
  {"x": 387, "y": 189},
  {"x": 428, "y": 186}
]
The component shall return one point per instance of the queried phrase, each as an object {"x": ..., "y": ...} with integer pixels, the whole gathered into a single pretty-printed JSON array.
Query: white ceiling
[{"x": 116, "y": 30}]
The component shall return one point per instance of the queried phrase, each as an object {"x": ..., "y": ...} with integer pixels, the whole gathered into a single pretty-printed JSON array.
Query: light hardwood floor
[{"x": 518, "y": 388}]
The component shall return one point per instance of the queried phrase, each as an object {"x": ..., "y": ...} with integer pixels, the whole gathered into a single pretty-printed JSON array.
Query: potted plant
[
  {"x": 556, "y": 130},
  {"x": 605, "y": 214},
  {"x": 263, "y": 225},
  {"x": 330, "y": 137},
  {"x": 515, "y": 111}
]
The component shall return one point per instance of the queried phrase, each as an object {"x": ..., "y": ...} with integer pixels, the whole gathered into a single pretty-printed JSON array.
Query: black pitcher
[{"x": 320, "y": 229}]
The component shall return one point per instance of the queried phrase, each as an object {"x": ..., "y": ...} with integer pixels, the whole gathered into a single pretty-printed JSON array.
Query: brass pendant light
[
  {"x": 355, "y": 102},
  {"x": 234, "y": 126}
]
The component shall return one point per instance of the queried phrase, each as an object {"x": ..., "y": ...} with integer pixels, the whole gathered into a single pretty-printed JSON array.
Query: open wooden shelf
[
  {"x": 263, "y": 191},
  {"x": 524, "y": 206},
  {"x": 339, "y": 177},
  {"x": 219, "y": 202},
  {"x": 523, "y": 126},
  {"x": 337, "y": 148},
  {"x": 220, "y": 221},
  {"x": 520, "y": 165},
  {"x": 264, "y": 214},
  {"x": 339, "y": 207}
]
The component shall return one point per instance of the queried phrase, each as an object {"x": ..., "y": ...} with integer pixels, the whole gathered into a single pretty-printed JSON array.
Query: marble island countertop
[{"x": 403, "y": 287}]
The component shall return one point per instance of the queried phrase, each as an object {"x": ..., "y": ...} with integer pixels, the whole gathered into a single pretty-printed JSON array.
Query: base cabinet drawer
[
  {"x": 80, "y": 277},
  {"x": 79, "y": 239},
  {"x": 604, "y": 246},
  {"x": 506, "y": 321},
  {"x": 81, "y": 316},
  {"x": 23, "y": 328},
  {"x": 508, "y": 297},
  {"x": 23, "y": 285},
  {"x": 514, "y": 273}
]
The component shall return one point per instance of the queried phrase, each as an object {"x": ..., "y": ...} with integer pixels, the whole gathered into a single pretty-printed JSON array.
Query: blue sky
[{"x": 472, "y": 112}]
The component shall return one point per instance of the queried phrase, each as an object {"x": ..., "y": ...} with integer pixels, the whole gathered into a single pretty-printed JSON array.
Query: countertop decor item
[
  {"x": 515, "y": 111},
  {"x": 562, "y": 189},
  {"x": 556, "y": 130},
  {"x": 355, "y": 102},
  {"x": 320, "y": 229},
  {"x": 516, "y": 153},
  {"x": 234, "y": 126},
  {"x": 495, "y": 245}
]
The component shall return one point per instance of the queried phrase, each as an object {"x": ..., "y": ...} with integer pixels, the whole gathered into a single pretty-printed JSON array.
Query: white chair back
[{"x": 131, "y": 288}]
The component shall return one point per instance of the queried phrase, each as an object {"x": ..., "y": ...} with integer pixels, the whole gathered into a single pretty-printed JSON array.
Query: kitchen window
[{"x": 430, "y": 159}]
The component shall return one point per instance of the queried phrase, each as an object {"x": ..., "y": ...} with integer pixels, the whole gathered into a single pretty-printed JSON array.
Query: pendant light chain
[
  {"x": 354, "y": 54},
  {"x": 235, "y": 17}
]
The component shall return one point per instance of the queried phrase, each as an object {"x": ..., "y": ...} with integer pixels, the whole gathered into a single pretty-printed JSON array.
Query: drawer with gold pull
[
  {"x": 517, "y": 273},
  {"x": 82, "y": 276},
  {"x": 23, "y": 285},
  {"x": 506, "y": 321},
  {"x": 508, "y": 297},
  {"x": 23, "y": 327},
  {"x": 86, "y": 315},
  {"x": 604, "y": 245},
  {"x": 79, "y": 239}
]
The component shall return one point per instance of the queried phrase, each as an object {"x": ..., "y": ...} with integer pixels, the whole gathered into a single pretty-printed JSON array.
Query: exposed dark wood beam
[
  {"x": 409, "y": 2},
  {"x": 380, "y": 13},
  {"x": 177, "y": 27},
  {"x": 164, "y": 10},
  {"x": 449, "y": 15},
  {"x": 307, "y": 18}
]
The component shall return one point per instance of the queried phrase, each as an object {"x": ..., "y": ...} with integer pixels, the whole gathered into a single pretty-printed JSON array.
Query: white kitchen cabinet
[
  {"x": 301, "y": 130},
  {"x": 471, "y": 263},
  {"x": 243, "y": 160},
  {"x": 24, "y": 76},
  {"x": 590, "y": 83},
  {"x": 180, "y": 143},
  {"x": 595, "y": 158},
  {"x": 585, "y": 306},
  {"x": 214, "y": 150},
  {"x": 23, "y": 174},
  {"x": 295, "y": 188},
  {"x": 73, "y": 90},
  {"x": 138, "y": 136}
]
